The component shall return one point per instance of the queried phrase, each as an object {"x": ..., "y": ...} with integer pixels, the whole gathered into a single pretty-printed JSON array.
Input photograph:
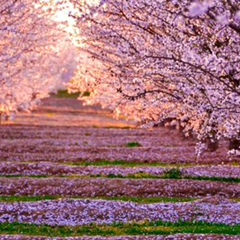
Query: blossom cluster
[
  {"x": 164, "y": 60},
  {"x": 32, "y": 46},
  {"x": 100, "y": 212}
]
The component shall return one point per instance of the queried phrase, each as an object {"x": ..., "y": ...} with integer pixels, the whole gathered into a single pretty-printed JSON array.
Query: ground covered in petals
[{"x": 60, "y": 178}]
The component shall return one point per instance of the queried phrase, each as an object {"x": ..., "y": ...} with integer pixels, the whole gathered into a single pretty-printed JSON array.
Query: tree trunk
[
  {"x": 234, "y": 144},
  {"x": 212, "y": 144}
]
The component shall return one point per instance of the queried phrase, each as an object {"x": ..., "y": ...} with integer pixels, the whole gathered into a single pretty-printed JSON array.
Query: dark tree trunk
[
  {"x": 212, "y": 144},
  {"x": 234, "y": 144}
]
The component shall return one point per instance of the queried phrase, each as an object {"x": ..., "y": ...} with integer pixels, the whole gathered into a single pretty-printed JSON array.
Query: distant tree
[
  {"x": 31, "y": 53},
  {"x": 160, "y": 59}
]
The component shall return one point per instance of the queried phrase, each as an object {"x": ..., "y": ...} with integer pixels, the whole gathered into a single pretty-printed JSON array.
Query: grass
[
  {"x": 133, "y": 176},
  {"x": 171, "y": 174},
  {"x": 175, "y": 173},
  {"x": 147, "y": 228},
  {"x": 124, "y": 163},
  {"x": 28, "y": 176},
  {"x": 13, "y": 199},
  {"x": 118, "y": 163},
  {"x": 66, "y": 94},
  {"x": 105, "y": 163},
  {"x": 133, "y": 145},
  {"x": 139, "y": 200},
  {"x": 216, "y": 179}
]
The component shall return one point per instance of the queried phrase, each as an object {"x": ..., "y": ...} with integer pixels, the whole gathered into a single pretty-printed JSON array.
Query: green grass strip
[
  {"x": 153, "y": 228},
  {"x": 138, "y": 176},
  {"x": 109, "y": 164},
  {"x": 124, "y": 163},
  {"x": 12, "y": 199},
  {"x": 133, "y": 145},
  {"x": 66, "y": 94},
  {"x": 151, "y": 200},
  {"x": 215, "y": 179},
  {"x": 140, "y": 200}
]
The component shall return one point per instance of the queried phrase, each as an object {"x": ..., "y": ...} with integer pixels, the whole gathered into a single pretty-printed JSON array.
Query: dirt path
[{"x": 69, "y": 112}]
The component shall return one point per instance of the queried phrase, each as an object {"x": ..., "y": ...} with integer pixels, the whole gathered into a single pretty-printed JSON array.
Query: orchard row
[{"x": 155, "y": 61}]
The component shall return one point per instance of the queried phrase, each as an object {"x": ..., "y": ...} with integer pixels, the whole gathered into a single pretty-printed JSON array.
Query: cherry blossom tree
[
  {"x": 32, "y": 48},
  {"x": 161, "y": 59}
]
